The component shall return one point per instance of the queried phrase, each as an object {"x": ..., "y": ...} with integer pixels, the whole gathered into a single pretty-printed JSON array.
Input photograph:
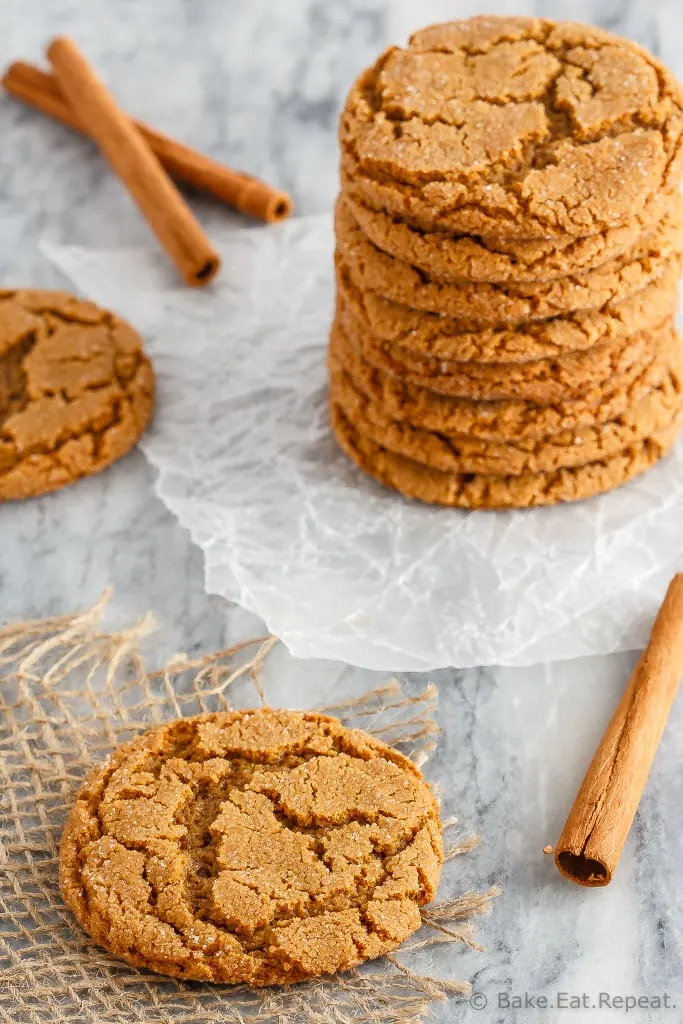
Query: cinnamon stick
[
  {"x": 593, "y": 837},
  {"x": 242, "y": 191},
  {"x": 131, "y": 158}
]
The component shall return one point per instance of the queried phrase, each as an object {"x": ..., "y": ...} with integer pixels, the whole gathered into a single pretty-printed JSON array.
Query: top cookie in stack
[{"x": 509, "y": 245}]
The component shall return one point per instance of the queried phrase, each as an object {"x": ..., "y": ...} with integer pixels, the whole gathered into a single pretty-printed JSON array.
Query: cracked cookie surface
[
  {"x": 258, "y": 846},
  {"x": 541, "y": 380},
  {"x": 76, "y": 391},
  {"x": 497, "y": 491},
  {"x": 460, "y": 453},
  {"x": 482, "y": 304},
  {"x": 510, "y": 420},
  {"x": 514, "y": 127},
  {"x": 430, "y": 336},
  {"x": 480, "y": 259}
]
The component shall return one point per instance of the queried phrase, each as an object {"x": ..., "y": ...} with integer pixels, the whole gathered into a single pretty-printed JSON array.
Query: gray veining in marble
[{"x": 259, "y": 84}]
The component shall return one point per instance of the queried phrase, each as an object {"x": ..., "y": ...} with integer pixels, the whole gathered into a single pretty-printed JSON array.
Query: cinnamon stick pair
[
  {"x": 593, "y": 837},
  {"x": 136, "y": 152},
  {"x": 245, "y": 193}
]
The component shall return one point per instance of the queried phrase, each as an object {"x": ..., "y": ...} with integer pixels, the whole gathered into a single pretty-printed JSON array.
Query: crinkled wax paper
[{"x": 337, "y": 566}]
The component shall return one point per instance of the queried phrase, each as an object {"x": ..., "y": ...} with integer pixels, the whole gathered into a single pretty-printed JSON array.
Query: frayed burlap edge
[{"x": 69, "y": 692}]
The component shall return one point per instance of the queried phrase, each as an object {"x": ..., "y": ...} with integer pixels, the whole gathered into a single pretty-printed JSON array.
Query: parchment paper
[{"x": 334, "y": 564}]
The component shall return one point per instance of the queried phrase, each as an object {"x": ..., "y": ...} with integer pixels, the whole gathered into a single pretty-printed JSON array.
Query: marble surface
[{"x": 260, "y": 85}]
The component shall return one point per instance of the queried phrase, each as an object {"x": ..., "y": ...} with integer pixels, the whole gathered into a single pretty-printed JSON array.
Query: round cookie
[
  {"x": 514, "y": 127},
  {"x": 428, "y": 335},
  {"x": 500, "y": 420},
  {"x": 76, "y": 391},
  {"x": 260, "y": 847},
  {"x": 455, "y": 258},
  {"x": 454, "y": 453},
  {"x": 489, "y": 491},
  {"x": 494, "y": 305},
  {"x": 542, "y": 380}
]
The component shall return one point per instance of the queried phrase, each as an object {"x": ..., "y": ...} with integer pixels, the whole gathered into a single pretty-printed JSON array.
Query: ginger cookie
[
  {"x": 429, "y": 335},
  {"x": 261, "y": 847},
  {"x": 462, "y": 454},
  {"x": 514, "y": 421},
  {"x": 76, "y": 391},
  {"x": 494, "y": 305},
  {"x": 491, "y": 491},
  {"x": 514, "y": 127},
  {"x": 542, "y": 380},
  {"x": 456, "y": 258}
]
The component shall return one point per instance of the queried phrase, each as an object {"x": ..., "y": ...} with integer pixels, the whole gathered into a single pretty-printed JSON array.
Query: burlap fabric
[{"x": 69, "y": 692}]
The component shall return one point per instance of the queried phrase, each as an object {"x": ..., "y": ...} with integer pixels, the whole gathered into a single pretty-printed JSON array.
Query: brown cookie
[
  {"x": 456, "y": 258},
  {"x": 500, "y": 420},
  {"x": 495, "y": 305},
  {"x": 489, "y": 491},
  {"x": 514, "y": 127},
  {"x": 429, "y": 335},
  {"x": 462, "y": 454},
  {"x": 542, "y": 380},
  {"x": 261, "y": 847},
  {"x": 76, "y": 391}
]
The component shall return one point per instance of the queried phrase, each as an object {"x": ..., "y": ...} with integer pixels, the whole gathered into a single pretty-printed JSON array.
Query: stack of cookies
[{"x": 509, "y": 247}]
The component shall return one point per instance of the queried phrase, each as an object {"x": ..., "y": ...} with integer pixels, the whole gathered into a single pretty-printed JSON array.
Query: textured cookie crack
[
  {"x": 13, "y": 395},
  {"x": 494, "y": 304},
  {"x": 575, "y": 83},
  {"x": 499, "y": 420},
  {"x": 457, "y": 453},
  {"x": 483, "y": 258},
  {"x": 499, "y": 491},
  {"x": 427, "y": 335}
]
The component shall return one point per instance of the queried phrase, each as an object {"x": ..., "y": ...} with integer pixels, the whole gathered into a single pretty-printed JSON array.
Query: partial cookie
[
  {"x": 429, "y": 335},
  {"x": 495, "y": 305},
  {"x": 543, "y": 380},
  {"x": 456, "y": 258},
  {"x": 484, "y": 491},
  {"x": 76, "y": 391},
  {"x": 514, "y": 127},
  {"x": 456, "y": 453},
  {"x": 501, "y": 420},
  {"x": 261, "y": 847},
  {"x": 379, "y": 194}
]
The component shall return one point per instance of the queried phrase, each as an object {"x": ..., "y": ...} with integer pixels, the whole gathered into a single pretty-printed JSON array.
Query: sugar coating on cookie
[
  {"x": 518, "y": 127},
  {"x": 76, "y": 390},
  {"x": 260, "y": 846}
]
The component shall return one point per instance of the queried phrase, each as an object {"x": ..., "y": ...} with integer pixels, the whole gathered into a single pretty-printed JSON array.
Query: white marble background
[{"x": 259, "y": 85}]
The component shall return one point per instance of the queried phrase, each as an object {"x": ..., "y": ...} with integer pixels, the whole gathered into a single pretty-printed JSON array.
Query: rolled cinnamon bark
[
  {"x": 593, "y": 837},
  {"x": 131, "y": 158},
  {"x": 242, "y": 191}
]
